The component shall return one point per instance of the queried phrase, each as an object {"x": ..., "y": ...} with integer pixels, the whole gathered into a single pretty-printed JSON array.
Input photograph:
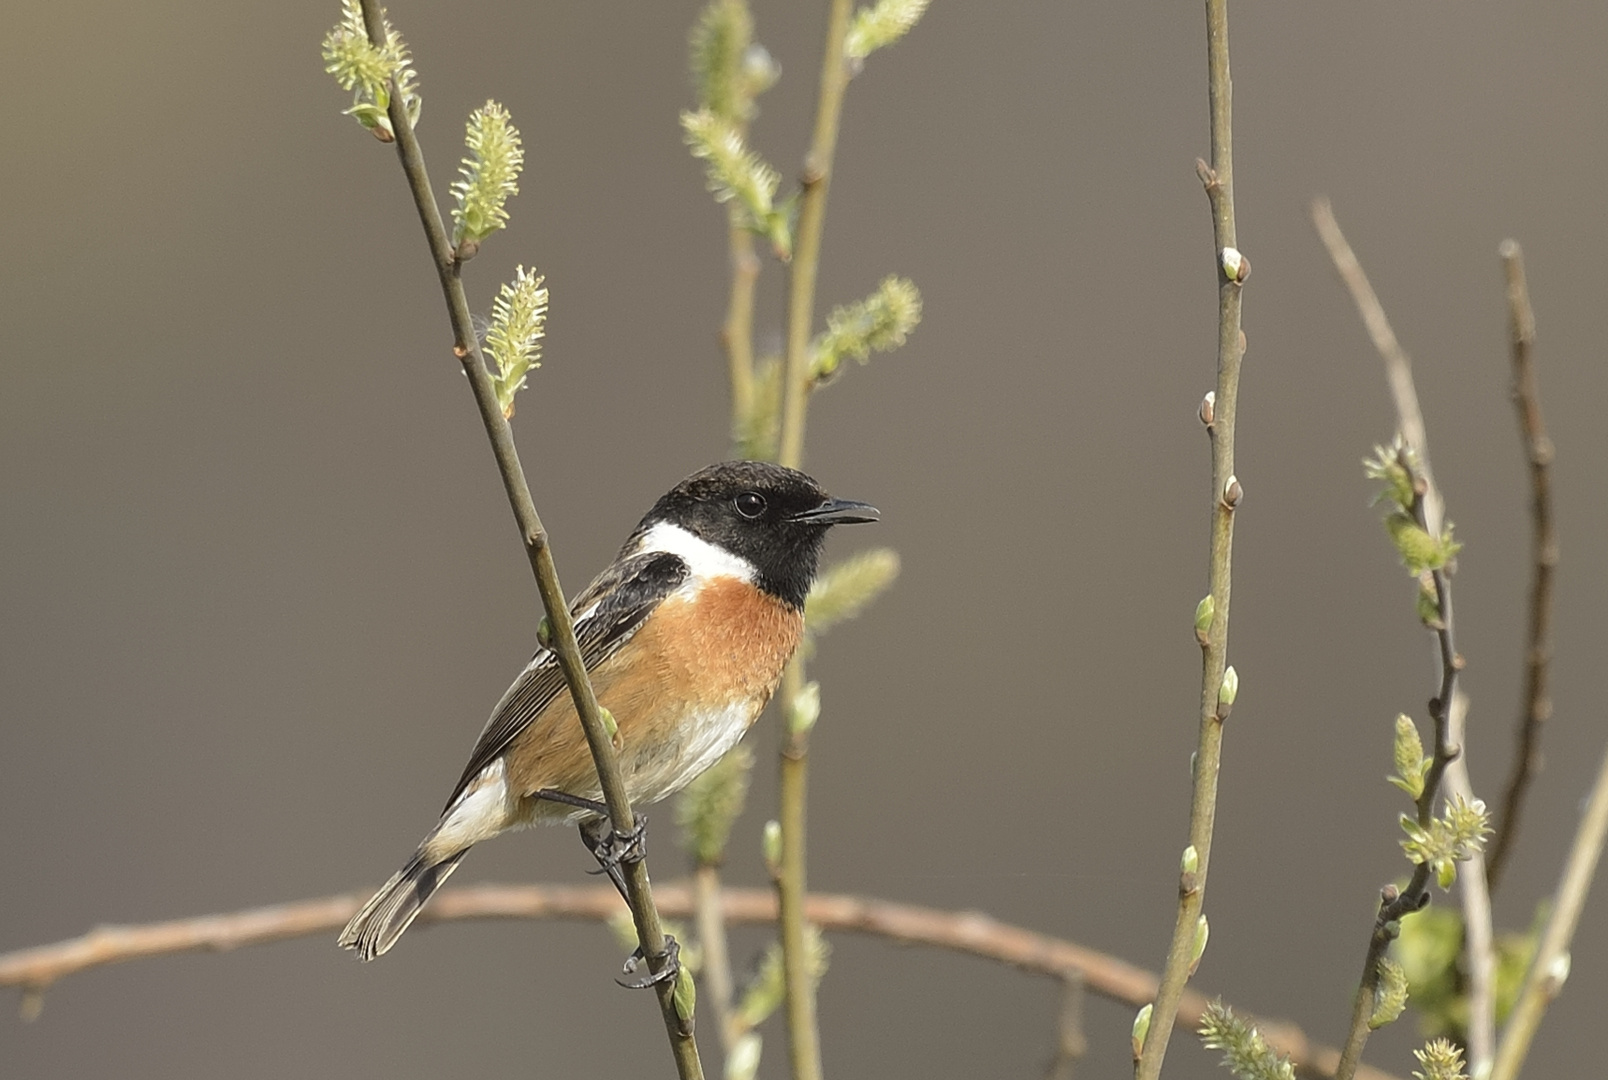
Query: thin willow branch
[
  {"x": 1447, "y": 761},
  {"x": 737, "y": 333},
  {"x": 737, "y": 340},
  {"x": 465, "y": 346},
  {"x": 803, "y": 1031},
  {"x": 1218, "y": 179},
  {"x": 1537, "y": 704},
  {"x": 1550, "y": 968},
  {"x": 804, "y": 1036},
  {"x": 805, "y": 266},
  {"x": 1478, "y": 931},
  {"x": 1398, "y": 369},
  {"x": 969, "y": 932},
  {"x": 709, "y": 913}
]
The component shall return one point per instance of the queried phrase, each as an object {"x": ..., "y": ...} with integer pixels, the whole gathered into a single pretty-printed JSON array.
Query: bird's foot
[
  {"x": 615, "y": 850},
  {"x": 672, "y": 967}
]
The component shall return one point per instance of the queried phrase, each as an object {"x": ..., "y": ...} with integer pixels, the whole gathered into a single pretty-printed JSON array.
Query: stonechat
[{"x": 685, "y": 636}]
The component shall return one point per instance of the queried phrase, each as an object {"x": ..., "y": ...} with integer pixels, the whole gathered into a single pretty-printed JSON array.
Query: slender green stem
[
  {"x": 465, "y": 346},
  {"x": 737, "y": 333},
  {"x": 816, "y": 178},
  {"x": 1218, "y": 179},
  {"x": 804, "y": 1037},
  {"x": 1550, "y": 968},
  {"x": 715, "y": 969}
]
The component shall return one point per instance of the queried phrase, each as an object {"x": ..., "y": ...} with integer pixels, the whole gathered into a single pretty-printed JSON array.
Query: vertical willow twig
[
  {"x": 1479, "y": 942},
  {"x": 804, "y": 1037},
  {"x": 1537, "y": 705},
  {"x": 1447, "y": 761},
  {"x": 805, "y": 266},
  {"x": 737, "y": 339},
  {"x": 467, "y": 348},
  {"x": 1550, "y": 968},
  {"x": 737, "y": 333},
  {"x": 1218, "y": 179}
]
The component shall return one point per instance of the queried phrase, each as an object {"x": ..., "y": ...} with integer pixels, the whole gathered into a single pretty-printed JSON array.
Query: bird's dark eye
[{"x": 750, "y": 504}]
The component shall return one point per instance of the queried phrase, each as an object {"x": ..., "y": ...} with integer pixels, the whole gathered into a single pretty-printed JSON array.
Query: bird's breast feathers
[{"x": 683, "y": 690}]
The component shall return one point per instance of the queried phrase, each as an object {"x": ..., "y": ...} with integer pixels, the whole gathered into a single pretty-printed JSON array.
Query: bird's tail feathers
[{"x": 375, "y": 929}]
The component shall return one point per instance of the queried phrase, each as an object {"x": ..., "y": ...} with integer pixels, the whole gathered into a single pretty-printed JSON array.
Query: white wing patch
[{"x": 704, "y": 559}]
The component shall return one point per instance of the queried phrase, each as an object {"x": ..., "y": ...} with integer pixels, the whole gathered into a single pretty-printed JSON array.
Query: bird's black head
[{"x": 773, "y": 518}]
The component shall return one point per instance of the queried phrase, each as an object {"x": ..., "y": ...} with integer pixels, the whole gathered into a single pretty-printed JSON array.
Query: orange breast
[{"x": 700, "y": 670}]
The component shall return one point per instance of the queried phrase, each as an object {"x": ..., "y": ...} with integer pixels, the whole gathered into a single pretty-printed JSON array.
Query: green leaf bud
[
  {"x": 804, "y": 710},
  {"x": 1190, "y": 863},
  {"x": 1236, "y": 267},
  {"x": 742, "y": 1061},
  {"x": 1411, "y": 765},
  {"x": 1197, "y": 949},
  {"x": 685, "y": 998},
  {"x": 1227, "y": 692},
  {"x": 1204, "y": 613},
  {"x": 1428, "y": 605},
  {"x": 1557, "y": 973},
  {"x": 1141, "y": 1029},
  {"x": 771, "y": 846}
]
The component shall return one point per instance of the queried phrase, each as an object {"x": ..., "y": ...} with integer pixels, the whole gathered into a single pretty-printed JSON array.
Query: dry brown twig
[
  {"x": 1070, "y": 1041},
  {"x": 35, "y": 970},
  {"x": 1448, "y": 707},
  {"x": 1537, "y": 705}
]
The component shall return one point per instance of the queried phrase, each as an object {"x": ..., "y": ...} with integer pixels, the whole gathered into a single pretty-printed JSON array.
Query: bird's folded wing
[{"x": 606, "y": 615}]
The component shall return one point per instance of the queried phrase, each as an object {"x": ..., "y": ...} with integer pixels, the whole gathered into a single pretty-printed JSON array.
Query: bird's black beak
[{"x": 838, "y": 512}]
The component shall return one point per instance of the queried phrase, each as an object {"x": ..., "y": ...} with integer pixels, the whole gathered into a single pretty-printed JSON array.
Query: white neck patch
[{"x": 704, "y": 559}]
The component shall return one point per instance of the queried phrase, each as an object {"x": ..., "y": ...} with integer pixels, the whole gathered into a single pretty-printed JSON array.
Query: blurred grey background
[{"x": 259, "y": 583}]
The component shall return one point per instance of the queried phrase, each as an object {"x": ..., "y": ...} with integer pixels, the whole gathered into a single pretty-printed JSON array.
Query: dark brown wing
[{"x": 606, "y": 615}]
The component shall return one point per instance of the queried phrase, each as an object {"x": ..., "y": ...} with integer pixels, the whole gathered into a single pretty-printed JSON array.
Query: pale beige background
[{"x": 259, "y": 585}]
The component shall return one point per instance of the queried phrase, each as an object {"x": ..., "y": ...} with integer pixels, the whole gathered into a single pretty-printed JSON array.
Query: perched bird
[{"x": 685, "y": 636}]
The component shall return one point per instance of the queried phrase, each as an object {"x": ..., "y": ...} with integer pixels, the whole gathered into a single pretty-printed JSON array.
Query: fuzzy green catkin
[
  {"x": 488, "y": 175},
  {"x": 879, "y": 323},
  {"x": 711, "y": 804},
  {"x": 847, "y": 588},
  {"x": 1245, "y": 1053},
  {"x": 367, "y": 70},
  {"x": 880, "y": 25},
  {"x": 518, "y": 324}
]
